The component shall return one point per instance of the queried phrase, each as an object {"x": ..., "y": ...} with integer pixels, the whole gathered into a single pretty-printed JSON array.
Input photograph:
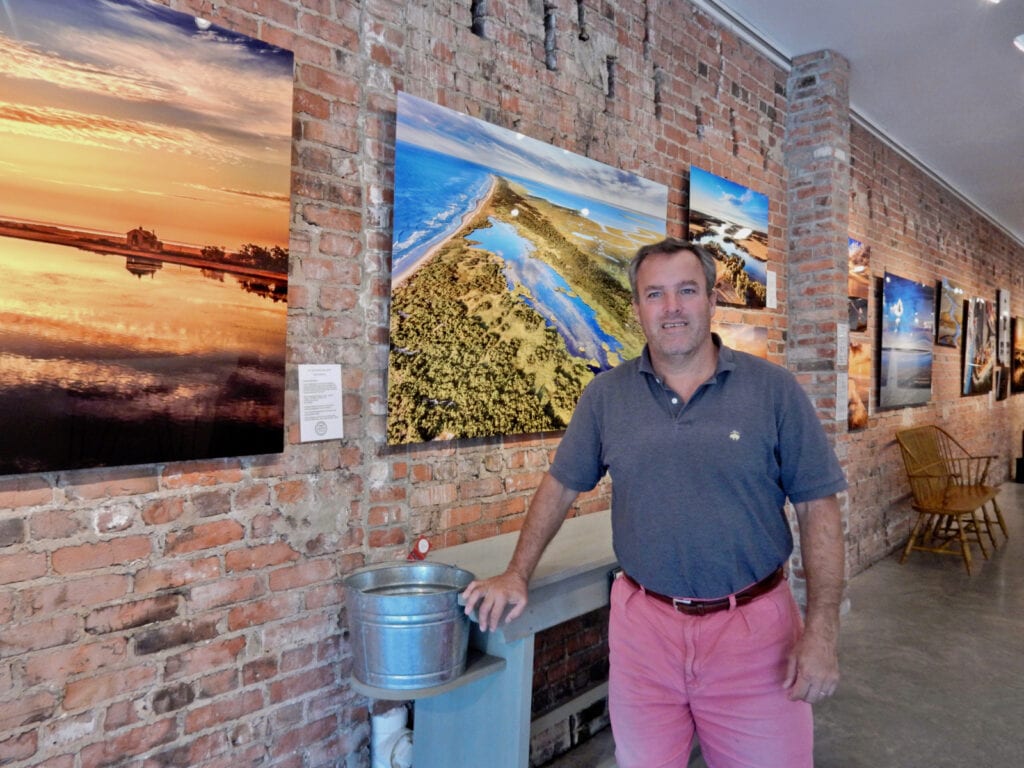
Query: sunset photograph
[{"x": 145, "y": 162}]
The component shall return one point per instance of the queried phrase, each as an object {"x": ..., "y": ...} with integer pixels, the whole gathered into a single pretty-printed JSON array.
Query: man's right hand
[{"x": 491, "y": 597}]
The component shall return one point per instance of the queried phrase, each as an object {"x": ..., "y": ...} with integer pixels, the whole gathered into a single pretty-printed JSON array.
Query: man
[{"x": 704, "y": 445}]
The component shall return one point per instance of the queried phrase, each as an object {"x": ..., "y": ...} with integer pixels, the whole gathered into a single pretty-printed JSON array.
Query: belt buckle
[{"x": 691, "y": 607}]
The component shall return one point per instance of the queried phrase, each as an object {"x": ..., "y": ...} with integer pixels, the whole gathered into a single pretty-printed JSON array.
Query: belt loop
[{"x": 732, "y": 602}]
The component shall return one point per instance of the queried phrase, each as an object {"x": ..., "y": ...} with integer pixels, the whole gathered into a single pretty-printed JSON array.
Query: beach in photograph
[
  {"x": 473, "y": 356},
  {"x": 509, "y": 288}
]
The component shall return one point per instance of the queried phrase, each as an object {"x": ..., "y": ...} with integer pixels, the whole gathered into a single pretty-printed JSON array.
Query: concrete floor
[{"x": 932, "y": 662}]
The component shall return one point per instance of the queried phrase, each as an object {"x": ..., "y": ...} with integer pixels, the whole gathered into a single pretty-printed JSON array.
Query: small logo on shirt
[{"x": 734, "y": 435}]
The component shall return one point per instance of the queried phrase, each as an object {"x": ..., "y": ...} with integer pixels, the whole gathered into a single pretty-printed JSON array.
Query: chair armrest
[{"x": 971, "y": 470}]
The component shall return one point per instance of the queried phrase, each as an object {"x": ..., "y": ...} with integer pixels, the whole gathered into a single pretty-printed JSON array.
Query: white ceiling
[{"x": 940, "y": 79}]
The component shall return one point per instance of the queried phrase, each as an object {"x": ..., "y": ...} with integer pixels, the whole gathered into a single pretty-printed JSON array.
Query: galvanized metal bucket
[{"x": 407, "y": 628}]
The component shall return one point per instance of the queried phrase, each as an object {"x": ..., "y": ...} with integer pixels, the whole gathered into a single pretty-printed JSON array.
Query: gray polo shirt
[{"x": 699, "y": 489}]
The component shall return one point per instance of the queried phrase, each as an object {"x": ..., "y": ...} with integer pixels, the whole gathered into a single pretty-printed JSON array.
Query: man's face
[{"x": 672, "y": 304}]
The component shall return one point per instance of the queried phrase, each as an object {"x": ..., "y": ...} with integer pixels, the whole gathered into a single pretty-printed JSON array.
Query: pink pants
[{"x": 718, "y": 676}]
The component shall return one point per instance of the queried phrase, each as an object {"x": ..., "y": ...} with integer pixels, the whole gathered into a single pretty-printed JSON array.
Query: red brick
[
  {"x": 25, "y": 710},
  {"x": 172, "y": 698},
  {"x": 487, "y": 486},
  {"x": 526, "y": 481},
  {"x": 62, "y": 663},
  {"x": 112, "y": 519},
  {"x": 259, "y": 670},
  {"x": 223, "y": 592},
  {"x": 74, "y": 594},
  {"x": 20, "y": 747},
  {"x": 134, "y": 614},
  {"x": 302, "y": 574},
  {"x": 103, "y": 554},
  {"x": 8, "y": 602},
  {"x": 262, "y": 612},
  {"x": 92, "y": 691},
  {"x": 433, "y": 495},
  {"x": 292, "y": 491},
  {"x": 163, "y": 511},
  {"x": 218, "y": 683},
  {"x": 86, "y": 485},
  {"x": 252, "y": 498},
  {"x": 205, "y": 658},
  {"x": 387, "y": 537},
  {"x": 167, "y": 636},
  {"x": 224, "y": 710},
  {"x": 55, "y": 524},
  {"x": 22, "y": 567},
  {"x": 259, "y": 557},
  {"x": 306, "y": 630},
  {"x": 456, "y": 516},
  {"x": 118, "y": 748},
  {"x": 324, "y": 595},
  {"x": 211, "y": 503},
  {"x": 297, "y": 658},
  {"x": 204, "y": 536},
  {"x": 12, "y": 532},
  {"x": 202, "y": 473},
  {"x": 298, "y": 739},
  {"x": 177, "y": 574},
  {"x": 24, "y": 491},
  {"x": 36, "y": 635},
  {"x": 301, "y": 684}
]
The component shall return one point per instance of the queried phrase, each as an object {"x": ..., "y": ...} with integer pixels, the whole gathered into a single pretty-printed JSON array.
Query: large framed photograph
[
  {"x": 752, "y": 339},
  {"x": 858, "y": 384},
  {"x": 509, "y": 288},
  {"x": 1017, "y": 357},
  {"x": 1004, "y": 342},
  {"x": 144, "y": 222},
  {"x": 979, "y": 347},
  {"x": 731, "y": 221},
  {"x": 907, "y": 331},
  {"x": 949, "y": 314},
  {"x": 858, "y": 283}
]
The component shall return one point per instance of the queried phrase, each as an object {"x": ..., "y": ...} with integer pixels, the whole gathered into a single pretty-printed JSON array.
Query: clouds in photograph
[
  {"x": 727, "y": 201},
  {"x": 129, "y": 96},
  {"x": 452, "y": 133}
]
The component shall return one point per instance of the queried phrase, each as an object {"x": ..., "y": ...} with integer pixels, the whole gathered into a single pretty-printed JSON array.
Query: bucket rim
[{"x": 461, "y": 574}]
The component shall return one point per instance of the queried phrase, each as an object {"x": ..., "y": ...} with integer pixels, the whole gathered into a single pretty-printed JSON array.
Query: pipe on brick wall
[{"x": 390, "y": 740}]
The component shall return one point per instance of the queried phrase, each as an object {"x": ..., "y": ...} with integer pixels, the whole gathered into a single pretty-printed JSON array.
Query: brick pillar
[{"x": 817, "y": 158}]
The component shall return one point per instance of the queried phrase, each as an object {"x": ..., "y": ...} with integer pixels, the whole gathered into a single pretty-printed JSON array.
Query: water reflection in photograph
[{"x": 102, "y": 363}]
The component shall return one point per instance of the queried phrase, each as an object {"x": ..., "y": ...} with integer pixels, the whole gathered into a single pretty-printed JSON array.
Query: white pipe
[{"x": 390, "y": 740}]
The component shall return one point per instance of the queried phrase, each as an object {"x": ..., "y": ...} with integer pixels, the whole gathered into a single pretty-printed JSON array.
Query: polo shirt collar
[{"x": 726, "y": 358}]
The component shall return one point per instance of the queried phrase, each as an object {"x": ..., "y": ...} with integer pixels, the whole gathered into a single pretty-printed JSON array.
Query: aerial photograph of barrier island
[{"x": 509, "y": 286}]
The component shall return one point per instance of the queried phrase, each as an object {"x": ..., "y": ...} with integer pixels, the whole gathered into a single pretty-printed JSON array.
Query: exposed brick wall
[
  {"x": 918, "y": 229},
  {"x": 817, "y": 148},
  {"x": 192, "y": 614}
]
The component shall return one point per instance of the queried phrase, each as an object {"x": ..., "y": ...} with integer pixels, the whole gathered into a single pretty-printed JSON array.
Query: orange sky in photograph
[{"x": 118, "y": 115}]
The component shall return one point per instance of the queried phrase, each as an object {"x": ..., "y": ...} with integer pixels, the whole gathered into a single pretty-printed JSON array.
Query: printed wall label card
[{"x": 320, "y": 403}]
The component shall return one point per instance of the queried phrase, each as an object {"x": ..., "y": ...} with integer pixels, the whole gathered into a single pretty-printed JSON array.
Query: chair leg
[
  {"x": 976, "y": 527},
  {"x": 999, "y": 518},
  {"x": 914, "y": 533},
  {"x": 990, "y": 524},
  {"x": 965, "y": 547}
]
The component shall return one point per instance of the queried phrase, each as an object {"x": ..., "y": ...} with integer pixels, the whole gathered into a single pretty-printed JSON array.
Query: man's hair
[{"x": 674, "y": 245}]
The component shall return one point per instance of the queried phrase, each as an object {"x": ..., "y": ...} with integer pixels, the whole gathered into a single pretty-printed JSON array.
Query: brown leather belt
[{"x": 693, "y": 607}]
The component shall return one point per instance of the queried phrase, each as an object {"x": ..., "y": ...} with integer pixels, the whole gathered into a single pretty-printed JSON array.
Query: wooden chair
[{"x": 951, "y": 493}]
